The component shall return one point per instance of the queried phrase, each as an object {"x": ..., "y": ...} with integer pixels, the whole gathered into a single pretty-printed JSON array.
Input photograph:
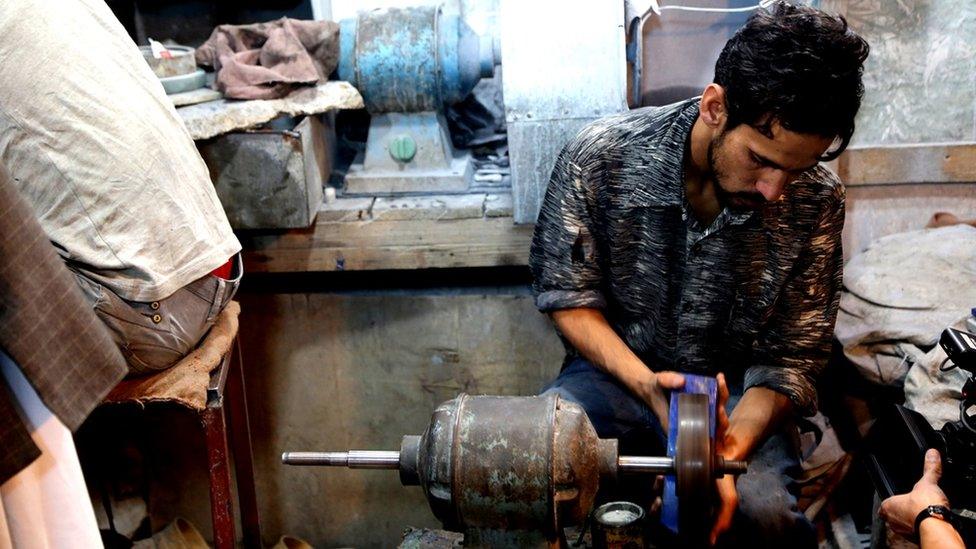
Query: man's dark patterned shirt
[{"x": 753, "y": 295}]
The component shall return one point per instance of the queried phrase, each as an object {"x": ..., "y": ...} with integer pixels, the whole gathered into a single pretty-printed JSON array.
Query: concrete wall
[
  {"x": 880, "y": 210},
  {"x": 920, "y": 87},
  {"x": 920, "y": 79}
]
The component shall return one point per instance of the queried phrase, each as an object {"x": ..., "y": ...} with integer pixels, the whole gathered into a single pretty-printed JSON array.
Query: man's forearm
[
  {"x": 758, "y": 413},
  {"x": 590, "y": 333}
]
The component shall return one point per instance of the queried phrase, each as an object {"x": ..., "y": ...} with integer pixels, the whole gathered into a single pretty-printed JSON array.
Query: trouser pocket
[{"x": 155, "y": 335}]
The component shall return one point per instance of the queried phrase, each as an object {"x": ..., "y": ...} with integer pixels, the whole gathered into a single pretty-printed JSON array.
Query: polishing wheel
[{"x": 694, "y": 464}]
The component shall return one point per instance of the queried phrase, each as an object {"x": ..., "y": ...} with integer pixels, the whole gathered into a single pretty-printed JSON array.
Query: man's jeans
[
  {"x": 154, "y": 336},
  {"x": 767, "y": 515}
]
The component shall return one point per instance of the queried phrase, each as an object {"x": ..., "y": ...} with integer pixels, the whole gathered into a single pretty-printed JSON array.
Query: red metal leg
[{"x": 218, "y": 468}]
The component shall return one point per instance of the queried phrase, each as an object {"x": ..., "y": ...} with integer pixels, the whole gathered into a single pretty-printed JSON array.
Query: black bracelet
[{"x": 939, "y": 511}]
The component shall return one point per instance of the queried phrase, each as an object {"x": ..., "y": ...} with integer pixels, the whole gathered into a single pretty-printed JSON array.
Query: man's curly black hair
[{"x": 797, "y": 66}]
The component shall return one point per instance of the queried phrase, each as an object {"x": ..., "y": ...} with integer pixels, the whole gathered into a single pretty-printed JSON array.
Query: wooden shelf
[
  {"x": 413, "y": 233},
  {"x": 907, "y": 164}
]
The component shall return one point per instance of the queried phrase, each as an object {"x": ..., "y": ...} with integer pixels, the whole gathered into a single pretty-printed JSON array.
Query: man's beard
[{"x": 741, "y": 201}]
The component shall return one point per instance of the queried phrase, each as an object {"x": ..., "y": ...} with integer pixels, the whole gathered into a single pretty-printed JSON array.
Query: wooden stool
[{"x": 210, "y": 381}]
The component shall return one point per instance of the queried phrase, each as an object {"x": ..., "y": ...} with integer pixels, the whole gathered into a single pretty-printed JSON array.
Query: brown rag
[
  {"x": 269, "y": 60},
  {"x": 186, "y": 382}
]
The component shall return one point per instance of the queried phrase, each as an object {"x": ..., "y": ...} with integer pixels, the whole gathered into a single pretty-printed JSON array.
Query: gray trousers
[
  {"x": 767, "y": 515},
  {"x": 154, "y": 336}
]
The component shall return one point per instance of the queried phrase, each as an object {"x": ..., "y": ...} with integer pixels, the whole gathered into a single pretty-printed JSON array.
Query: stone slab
[
  {"x": 192, "y": 97},
  {"x": 206, "y": 120},
  {"x": 464, "y": 206}
]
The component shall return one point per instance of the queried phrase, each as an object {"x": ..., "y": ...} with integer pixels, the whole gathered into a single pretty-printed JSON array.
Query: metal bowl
[{"x": 183, "y": 61}]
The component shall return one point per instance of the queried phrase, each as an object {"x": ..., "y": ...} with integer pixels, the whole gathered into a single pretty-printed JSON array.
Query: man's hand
[
  {"x": 725, "y": 486},
  {"x": 900, "y": 511},
  {"x": 654, "y": 392},
  {"x": 757, "y": 414}
]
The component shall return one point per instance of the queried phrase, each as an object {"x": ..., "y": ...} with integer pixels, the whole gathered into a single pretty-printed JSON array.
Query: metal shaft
[
  {"x": 642, "y": 464},
  {"x": 384, "y": 459},
  {"x": 732, "y": 466},
  {"x": 665, "y": 465},
  {"x": 353, "y": 459}
]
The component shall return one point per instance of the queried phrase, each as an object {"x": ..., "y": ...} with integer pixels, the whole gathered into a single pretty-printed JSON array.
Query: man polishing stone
[{"x": 705, "y": 237}]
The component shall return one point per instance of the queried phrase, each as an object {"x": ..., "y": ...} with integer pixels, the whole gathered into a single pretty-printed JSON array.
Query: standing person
[
  {"x": 93, "y": 144},
  {"x": 705, "y": 237}
]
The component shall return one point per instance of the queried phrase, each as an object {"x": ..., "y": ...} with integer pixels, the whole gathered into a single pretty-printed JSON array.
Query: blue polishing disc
[{"x": 693, "y": 384}]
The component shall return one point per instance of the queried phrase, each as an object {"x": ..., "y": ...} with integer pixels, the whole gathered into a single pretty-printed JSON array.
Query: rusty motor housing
[{"x": 508, "y": 463}]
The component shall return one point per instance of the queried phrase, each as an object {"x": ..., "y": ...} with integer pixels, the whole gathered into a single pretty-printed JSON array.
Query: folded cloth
[
  {"x": 900, "y": 293},
  {"x": 48, "y": 329},
  {"x": 932, "y": 392},
  {"x": 268, "y": 60}
]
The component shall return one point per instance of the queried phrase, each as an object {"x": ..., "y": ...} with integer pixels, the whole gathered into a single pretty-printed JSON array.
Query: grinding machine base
[{"x": 426, "y": 161}]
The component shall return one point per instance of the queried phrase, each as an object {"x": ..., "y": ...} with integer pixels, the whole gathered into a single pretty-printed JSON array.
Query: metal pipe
[{"x": 353, "y": 459}]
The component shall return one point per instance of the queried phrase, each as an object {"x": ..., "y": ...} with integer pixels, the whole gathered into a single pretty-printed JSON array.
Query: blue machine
[{"x": 409, "y": 64}]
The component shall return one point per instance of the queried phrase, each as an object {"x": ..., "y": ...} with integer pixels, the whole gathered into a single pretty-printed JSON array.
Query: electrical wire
[
  {"x": 657, "y": 8},
  {"x": 966, "y": 419}
]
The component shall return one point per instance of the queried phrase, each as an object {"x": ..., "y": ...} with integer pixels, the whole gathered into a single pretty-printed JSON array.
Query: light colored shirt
[{"x": 95, "y": 146}]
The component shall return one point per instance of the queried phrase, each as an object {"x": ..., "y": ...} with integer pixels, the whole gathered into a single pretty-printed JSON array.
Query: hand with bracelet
[{"x": 923, "y": 512}]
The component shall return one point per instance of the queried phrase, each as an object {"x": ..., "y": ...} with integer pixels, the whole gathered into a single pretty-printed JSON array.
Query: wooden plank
[
  {"x": 908, "y": 164},
  {"x": 403, "y": 244}
]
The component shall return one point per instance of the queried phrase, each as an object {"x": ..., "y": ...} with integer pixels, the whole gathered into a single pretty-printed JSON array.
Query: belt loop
[
  {"x": 231, "y": 286},
  {"x": 217, "y": 299},
  {"x": 225, "y": 289}
]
